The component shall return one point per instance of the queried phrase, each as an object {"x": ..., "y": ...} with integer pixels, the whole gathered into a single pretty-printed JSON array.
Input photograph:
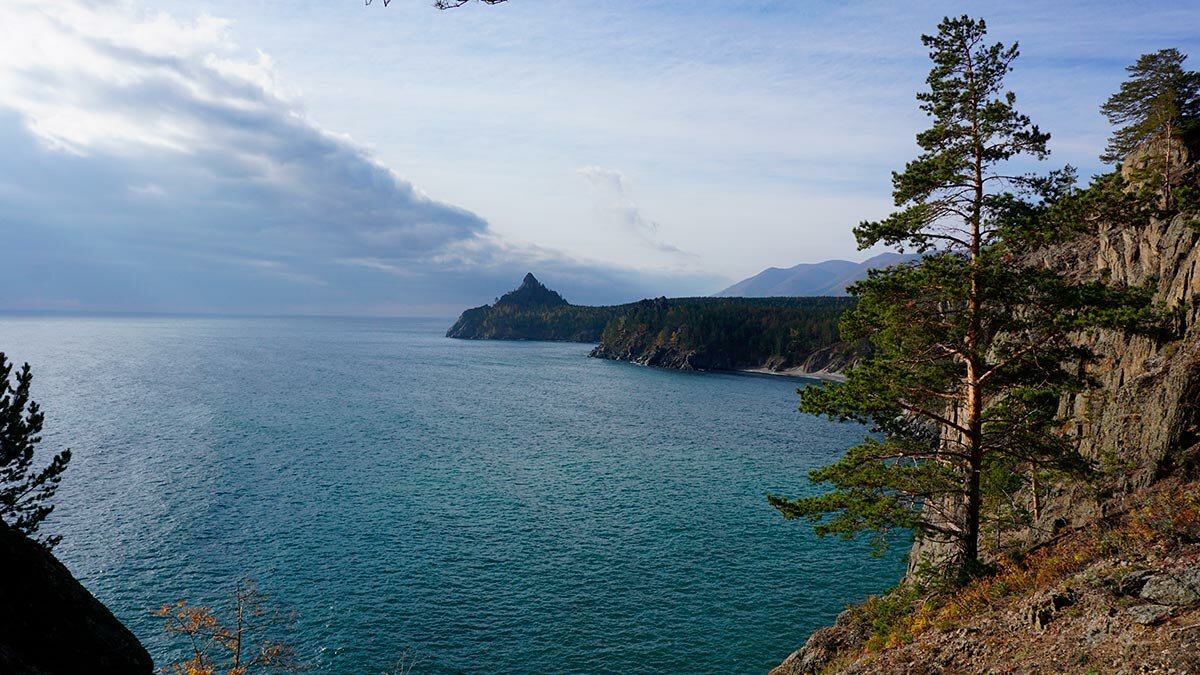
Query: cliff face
[
  {"x": 1143, "y": 418},
  {"x": 1144, "y": 415},
  {"x": 642, "y": 350},
  {"x": 51, "y": 625},
  {"x": 792, "y": 335},
  {"x": 1099, "y": 543}
]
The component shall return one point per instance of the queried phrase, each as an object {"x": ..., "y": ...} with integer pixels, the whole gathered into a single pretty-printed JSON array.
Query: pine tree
[
  {"x": 1158, "y": 102},
  {"x": 972, "y": 350},
  {"x": 24, "y": 489}
]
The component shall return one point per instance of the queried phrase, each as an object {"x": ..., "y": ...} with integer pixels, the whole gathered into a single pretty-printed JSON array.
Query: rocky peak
[{"x": 531, "y": 293}]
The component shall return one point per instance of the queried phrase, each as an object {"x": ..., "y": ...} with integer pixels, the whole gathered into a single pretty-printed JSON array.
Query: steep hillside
[
  {"x": 1121, "y": 595},
  {"x": 772, "y": 334},
  {"x": 1112, "y": 583},
  {"x": 789, "y": 335},
  {"x": 51, "y": 625},
  {"x": 830, "y": 277},
  {"x": 533, "y": 312},
  {"x": 531, "y": 294}
]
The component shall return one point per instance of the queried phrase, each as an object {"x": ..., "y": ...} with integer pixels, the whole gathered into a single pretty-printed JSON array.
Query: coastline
[{"x": 797, "y": 372}]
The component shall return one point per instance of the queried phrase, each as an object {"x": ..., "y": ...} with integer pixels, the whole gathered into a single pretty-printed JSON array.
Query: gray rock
[
  {"x": 823, "y": 646},
  {"x": 1178, "y": 589},
  {"x": 1132, "y": 583},
  {"x": 1148, "y": 615},
  {"x": 1148, "y": 388}
]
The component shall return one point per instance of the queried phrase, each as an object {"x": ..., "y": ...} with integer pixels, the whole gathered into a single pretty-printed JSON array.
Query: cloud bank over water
[{"x": 151, "y": 164}]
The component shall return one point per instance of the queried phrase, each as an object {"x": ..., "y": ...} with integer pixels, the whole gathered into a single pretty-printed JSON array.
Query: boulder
[
  {"x": 1180, "y": 588},
  {"x": 1148, "y": 615}
]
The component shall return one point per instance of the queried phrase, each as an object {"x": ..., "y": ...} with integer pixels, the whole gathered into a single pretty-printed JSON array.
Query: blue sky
[{"x": 282, "y": 156}]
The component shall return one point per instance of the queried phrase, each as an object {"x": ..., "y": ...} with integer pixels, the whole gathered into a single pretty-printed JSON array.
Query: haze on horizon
[{"x": 335, "y": 158}]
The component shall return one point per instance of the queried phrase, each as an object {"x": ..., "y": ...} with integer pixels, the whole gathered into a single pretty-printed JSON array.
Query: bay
[{"x": 500, "y": 507}]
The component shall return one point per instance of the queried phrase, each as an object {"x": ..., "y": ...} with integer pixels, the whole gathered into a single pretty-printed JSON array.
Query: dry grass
[{"x": 1165, "y": 519}]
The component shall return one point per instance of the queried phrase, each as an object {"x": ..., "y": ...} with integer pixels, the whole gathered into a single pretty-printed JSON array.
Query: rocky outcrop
[
  {"x": 1121, "y": 596},
  {"x": 1144, "y": 417},
  {"x": 1139, "y": 423},
  {"x": 790, "y": 336},
  {"x": 824, "y": 646},
  {"x": 793, "y": 336},
  {"x": 533, "y": 312},
  {"x": 827, "y": 361},
  {"x": 832, "y": 359},
  {"x": 531, "y": 293},
  {"x": 1175, "y": 588},
  {"x": 1141, "y": 420},
  {"x": 51, "y": 625}
]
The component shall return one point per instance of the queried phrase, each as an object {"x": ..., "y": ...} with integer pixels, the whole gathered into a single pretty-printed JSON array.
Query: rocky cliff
[
  {"x": 794, "y": 335},
  {"x": 1140, "y": 424},
  {"x": 51, "y": 625},
  {"x": 1142, "y": 421},
  {"x": 828, "y": 360}
]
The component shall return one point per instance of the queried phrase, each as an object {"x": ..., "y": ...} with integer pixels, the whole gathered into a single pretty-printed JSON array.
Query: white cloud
[
  {"x": 616, "y": 202},
  {"x": 129, "y": 90},
  {"x": 152, "y": 163}
]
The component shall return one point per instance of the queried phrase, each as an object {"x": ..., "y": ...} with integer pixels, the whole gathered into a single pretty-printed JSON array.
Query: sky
[{"x": 333, "y": 157}]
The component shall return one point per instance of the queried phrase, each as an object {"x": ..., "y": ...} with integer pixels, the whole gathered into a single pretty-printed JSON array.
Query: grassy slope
[{"x": 1080, "y": 604}]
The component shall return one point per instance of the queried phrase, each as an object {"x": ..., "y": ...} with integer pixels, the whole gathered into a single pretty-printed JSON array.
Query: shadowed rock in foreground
[{"x": 50, "y": 624}]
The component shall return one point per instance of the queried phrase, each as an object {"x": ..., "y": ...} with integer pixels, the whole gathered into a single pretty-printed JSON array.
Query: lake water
[{"x": 498, "y": 507}]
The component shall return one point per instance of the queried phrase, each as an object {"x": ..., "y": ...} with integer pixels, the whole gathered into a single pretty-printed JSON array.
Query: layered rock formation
[
  {"x": 829, "y": 360},
  {"x": 1142, "y": 420}
]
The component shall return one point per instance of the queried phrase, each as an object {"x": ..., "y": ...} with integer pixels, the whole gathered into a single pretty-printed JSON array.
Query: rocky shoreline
[{"x": 823, "y": 364}]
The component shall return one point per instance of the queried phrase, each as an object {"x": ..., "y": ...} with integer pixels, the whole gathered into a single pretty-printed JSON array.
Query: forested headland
[{"x": 698, "y": 333}]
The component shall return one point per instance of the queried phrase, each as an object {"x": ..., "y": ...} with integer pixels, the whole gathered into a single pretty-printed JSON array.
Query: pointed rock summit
[{"x": 531, "y": 293}]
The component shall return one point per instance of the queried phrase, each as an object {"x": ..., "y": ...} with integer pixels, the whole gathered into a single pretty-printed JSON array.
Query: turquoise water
[{"x": 499, "y": 507}]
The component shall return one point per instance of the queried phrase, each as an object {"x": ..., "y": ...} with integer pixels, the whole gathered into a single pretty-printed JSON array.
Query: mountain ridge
[{"x": 829, "y": 277}]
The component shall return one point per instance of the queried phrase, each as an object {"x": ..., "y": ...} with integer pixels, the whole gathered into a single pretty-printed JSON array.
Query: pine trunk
[{"x": 971, "y": 487}]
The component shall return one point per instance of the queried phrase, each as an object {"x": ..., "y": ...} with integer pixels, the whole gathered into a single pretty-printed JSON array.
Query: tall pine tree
[
  {"x": 972, "y": 349},
  {"x": 1158, "y": 103}
]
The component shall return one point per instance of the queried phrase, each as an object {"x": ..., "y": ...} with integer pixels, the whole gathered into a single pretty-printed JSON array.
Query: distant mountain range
[{"x": 808, "y": 279}]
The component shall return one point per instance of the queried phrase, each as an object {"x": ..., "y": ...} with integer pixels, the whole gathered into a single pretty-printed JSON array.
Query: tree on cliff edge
[
  {"x": 971, "y": 348},
  {"x": 1159, "y": 102},
  {"x": 24, "y": 489}
]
